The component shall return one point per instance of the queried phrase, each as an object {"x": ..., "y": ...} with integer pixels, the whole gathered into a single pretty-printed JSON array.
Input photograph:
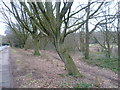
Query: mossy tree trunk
[
  {"x": 67, "y": 59},
  {"x": 36, "y": 47}
]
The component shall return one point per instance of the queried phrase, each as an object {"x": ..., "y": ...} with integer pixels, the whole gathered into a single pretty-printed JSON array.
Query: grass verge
[{"x": 100, "y": 60}]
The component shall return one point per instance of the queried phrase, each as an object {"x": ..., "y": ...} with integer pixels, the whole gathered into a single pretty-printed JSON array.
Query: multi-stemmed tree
[{"x": 50, "y": 20}]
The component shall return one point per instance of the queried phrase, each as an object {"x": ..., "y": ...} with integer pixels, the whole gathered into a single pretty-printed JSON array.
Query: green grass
[
  {"x": 99, "y": 59},
  {"x": 83, "y": 85}
]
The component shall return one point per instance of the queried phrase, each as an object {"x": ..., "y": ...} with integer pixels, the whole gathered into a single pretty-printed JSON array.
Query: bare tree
[
  {"x": 106, "y": 28},
  {"x": 26, "y": 22},
  {"x": 20, "y": 33},
  {"x": 87, "y": 31},
  {"x": 50, "y": 22}
]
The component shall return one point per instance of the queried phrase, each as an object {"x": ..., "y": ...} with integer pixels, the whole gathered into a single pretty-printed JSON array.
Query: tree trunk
[
  {"x": 68, "y": 61},
  {"x": 87, "y": 46},
  {"x": 107, "y": 40},
  {"x": 82, "y": 42},
  {"x": 119, "y": 45},
  {"x": 119, "y": 30},
  {"x": 36, "y": 47},
  {"x": 109, "y": 52},
  {"x": 87, "y": 32}
]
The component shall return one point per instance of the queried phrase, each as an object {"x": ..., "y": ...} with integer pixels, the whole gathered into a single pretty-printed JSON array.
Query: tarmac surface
[{"x": 5, "y": 75}]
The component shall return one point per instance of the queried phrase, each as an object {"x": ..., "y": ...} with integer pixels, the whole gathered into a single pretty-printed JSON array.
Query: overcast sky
[{"x": 3, "y": 26}]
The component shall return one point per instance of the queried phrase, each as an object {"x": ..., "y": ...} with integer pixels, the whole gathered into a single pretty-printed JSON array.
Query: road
[
  {"x": 5, "y": 76},
  {"x": 3, "y": 47}
]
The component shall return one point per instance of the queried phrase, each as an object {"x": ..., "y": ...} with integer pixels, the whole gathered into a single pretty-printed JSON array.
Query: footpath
[{"x": 5, "y": 74}]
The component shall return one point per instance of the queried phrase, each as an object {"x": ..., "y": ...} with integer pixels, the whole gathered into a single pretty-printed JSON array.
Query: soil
[{"x": 47, "y": 71}]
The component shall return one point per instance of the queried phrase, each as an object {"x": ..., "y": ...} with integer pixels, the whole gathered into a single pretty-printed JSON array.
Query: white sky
[{"x": 3, "y": 27}]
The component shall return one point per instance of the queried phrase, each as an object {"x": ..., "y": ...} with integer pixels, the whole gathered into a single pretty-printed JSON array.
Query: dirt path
[
  {"x": 47, "y": 71},
  {"x": 99, "y": 76}
]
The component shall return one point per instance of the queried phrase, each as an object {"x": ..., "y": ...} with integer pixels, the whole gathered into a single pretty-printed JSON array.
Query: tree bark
[
  {"x": 108, "y": 49},
  {"x": 36, "y": 47},
  {"x": 119, "y": 30},
  {"x": 87, "y": 46},
  {"x": 82, "y": 42},
  {"x": 119, "y": 44},
  {"x": 67, "y": 59},
  {"x": 87, "y": 32},
  {"x": 108, "y": 54}
]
